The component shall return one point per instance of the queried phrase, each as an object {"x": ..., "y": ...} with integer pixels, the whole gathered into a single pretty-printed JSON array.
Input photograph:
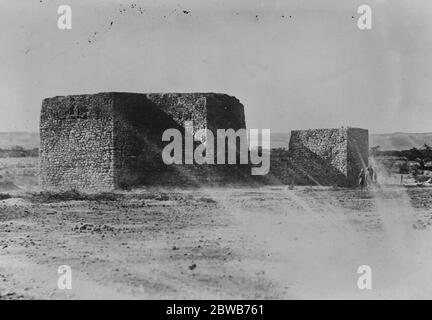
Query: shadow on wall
[
  {"x": 139, "y": 125},
  {"x": 310, "y": 168},
  {"x": 303, "y": 167}
]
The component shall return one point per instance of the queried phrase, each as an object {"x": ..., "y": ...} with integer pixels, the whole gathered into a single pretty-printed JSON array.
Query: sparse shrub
[
  {"x": 421, "y": 178},
  {"x": 403, "y": 167},
  {"x": 19, "y": 152},
  {"x": 153, "y": 195},
  {"x": 71, "y": 195},
  {"x": 207, "y": 200},
  {"x": 4, "y": 196}
]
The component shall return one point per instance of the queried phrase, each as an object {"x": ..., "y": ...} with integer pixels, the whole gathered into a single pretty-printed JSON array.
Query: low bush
[
  {"x": 71, "y": 195},
  {"x": 4, "y": 196}
]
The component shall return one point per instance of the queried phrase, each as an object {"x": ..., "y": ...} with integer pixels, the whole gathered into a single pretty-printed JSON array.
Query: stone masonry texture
[
  {"x": 113, "y": 140},
  {"x": 321, "y": 157}
]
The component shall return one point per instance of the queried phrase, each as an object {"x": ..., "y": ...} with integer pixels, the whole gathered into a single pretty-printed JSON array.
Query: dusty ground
[
  {"x": 269, "y": 242},
  {"x": 235, "y": 243}
]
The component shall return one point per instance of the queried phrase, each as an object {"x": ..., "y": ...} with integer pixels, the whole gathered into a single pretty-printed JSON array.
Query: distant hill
[
  {"x": 280, "y": 140},
  {"x": 400, "y": 140},
  {"x": 27, "y": 140},
  {"x": 387, "y": 141}
]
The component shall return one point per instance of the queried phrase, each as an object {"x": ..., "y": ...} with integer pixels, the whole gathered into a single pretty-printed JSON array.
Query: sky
[{"x": 294, "y": 64}]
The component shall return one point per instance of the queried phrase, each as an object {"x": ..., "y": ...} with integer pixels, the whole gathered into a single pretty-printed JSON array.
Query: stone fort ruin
[
  {"x": 113, "y": 140},
  {"x": 321, "y": 157}
]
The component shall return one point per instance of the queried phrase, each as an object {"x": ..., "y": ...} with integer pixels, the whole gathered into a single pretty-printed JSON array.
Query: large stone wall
[
  {"x": 138, "y": 123},
  {"x": 321, "y": 157},
  {"x": 206, "y": 110},
  {"x": 138, "y": 128},
  {"x": 113, "y": 140},
  {"x": 77, "y": 148}
]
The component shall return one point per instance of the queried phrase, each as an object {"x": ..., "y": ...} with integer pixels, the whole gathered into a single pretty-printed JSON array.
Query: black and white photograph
[{"x": 217, "y": 150}]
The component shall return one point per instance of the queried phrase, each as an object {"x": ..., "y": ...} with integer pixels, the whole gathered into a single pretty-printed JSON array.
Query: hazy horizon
[
  {"x": 293, "y": 64},
  {"x": 272, "y": 132}
]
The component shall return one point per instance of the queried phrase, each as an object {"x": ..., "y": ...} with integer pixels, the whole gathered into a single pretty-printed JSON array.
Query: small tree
[
  {"x": 374, "y": 151},
  {"x": 403, "y": 167}
]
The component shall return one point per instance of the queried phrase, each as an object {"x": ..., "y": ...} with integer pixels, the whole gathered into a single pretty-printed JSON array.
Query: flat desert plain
[{"x": 220, "y": 243}]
